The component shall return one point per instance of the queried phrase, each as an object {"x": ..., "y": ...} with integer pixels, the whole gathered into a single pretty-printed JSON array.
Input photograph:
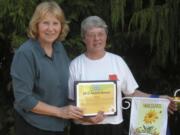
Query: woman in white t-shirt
[{"x": 98, "y": 64}]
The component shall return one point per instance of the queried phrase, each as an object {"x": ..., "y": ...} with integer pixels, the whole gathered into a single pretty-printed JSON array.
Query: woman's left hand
[{"x": 172, "y": 105}]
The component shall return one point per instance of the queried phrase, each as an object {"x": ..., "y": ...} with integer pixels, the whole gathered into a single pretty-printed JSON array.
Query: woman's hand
[
  {"x": 98, "y": 118},
  {"x": 172, "y": 105},
  {"x": 94, "y": 119},
  {"x": 70, "y": 112}
]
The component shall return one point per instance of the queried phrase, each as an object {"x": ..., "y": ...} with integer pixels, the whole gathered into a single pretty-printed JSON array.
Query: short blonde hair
[{"x": 41, "y": 11}]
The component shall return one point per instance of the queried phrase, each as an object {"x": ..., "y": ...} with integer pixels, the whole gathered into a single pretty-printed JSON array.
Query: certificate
[{"x": 95, "y": 96}]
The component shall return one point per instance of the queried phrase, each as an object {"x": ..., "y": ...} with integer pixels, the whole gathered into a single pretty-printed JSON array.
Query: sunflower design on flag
[{"x": 150, "y": 117}]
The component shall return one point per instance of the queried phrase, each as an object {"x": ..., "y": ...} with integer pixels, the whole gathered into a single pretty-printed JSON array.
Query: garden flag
[{"x": 149, "y": 116}]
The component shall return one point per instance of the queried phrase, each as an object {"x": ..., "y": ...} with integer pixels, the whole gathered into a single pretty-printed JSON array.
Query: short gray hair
[{"x": 92, "y": 21}]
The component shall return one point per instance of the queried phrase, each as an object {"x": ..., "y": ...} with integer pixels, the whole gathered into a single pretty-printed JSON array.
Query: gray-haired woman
[{"x": 98, "y": 64}]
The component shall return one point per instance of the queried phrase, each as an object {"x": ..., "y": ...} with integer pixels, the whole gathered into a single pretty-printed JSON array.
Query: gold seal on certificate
[{"x": 95, "y": 96}]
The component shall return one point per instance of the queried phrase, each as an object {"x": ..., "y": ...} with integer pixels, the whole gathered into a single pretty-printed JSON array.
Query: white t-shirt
[{"x": 84, "y": 69}]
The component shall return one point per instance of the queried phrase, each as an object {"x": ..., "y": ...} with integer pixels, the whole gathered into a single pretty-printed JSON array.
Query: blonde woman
[{"x": 40, "y": 75}]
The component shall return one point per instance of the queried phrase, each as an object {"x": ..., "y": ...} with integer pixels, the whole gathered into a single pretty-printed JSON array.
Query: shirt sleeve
[
  {"x": 129, "y": 84},
  {"x": 23, "y": 77}
]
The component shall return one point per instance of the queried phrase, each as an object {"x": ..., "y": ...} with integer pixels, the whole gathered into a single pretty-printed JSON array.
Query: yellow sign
[{"x": 95, "y": 96}]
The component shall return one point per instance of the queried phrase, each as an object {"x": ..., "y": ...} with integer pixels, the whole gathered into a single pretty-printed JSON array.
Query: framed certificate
[{"x": 95, "y": 96}]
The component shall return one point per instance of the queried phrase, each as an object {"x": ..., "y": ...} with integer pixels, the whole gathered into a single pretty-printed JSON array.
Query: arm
[
  {"x": 172, "y": 106},
  {"x": 67, "y": 112},
  {"x": 130, "y": 81},
  {"x": 23, "y": 76}
]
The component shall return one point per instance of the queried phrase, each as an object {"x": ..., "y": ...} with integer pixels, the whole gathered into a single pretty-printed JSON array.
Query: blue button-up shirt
[{"x": 37, "y": 77}]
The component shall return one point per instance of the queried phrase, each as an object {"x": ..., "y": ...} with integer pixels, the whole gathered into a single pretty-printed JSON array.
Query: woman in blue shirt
[{"x": 40, "y": 75}]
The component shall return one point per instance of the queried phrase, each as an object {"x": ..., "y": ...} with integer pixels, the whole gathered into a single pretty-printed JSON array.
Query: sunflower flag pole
[
  {"x": 176, "y": 98},
  {"x": 127, "y": 102},
  {"x": 149, "y": 116}
]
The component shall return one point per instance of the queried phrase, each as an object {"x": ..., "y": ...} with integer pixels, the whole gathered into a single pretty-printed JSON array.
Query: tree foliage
[
  {"x": 146, "y": 33},
  {"x": 160, "y": 22}
]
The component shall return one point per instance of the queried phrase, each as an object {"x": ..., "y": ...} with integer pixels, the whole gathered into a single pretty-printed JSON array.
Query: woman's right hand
[
  {"x": 70, "y": 112},
  {"x": 94, "y": 119},
  {"x": 98, "y": 118}
]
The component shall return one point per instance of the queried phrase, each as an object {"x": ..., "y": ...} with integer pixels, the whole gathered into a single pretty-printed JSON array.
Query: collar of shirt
[{"x": 41, "y": 50}]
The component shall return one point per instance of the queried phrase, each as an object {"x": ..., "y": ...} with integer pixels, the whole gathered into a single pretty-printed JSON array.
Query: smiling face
[
  {"x": 49, "y": 29},
  {"x": 95, "y": 40}
]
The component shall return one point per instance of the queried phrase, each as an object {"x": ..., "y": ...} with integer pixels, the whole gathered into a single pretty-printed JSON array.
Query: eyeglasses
[{"x": 96, "y": 35}]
